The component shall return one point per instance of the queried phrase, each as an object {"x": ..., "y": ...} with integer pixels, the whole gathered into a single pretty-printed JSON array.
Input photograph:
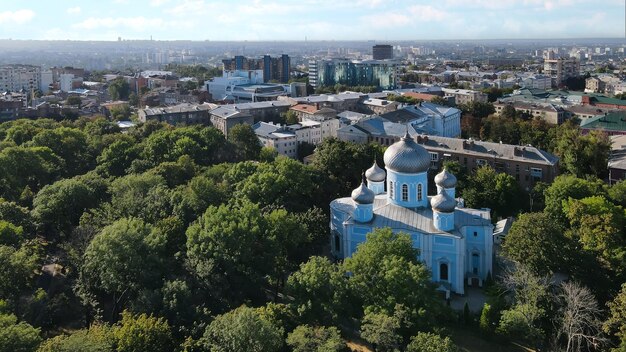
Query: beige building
[
  {"x": 225, "y": 117},
  {"x": 187, "y": 114},
  {"x": 465, "y": 96},
  {"x": 561, "y": 69},
  {"x": 547, "y": 112}
]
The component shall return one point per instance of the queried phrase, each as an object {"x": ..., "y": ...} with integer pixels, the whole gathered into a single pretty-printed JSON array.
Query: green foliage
[
  {"x": 60, "y": 205},
  {"x": 305, "y": 338},
  {"x": 145, "y": 196},
  {"x": 227, "y": 249},
  {"x": 116, "y": 158},
  {"x": 477, "y": 109},
  {"x": 71, "y": 145},
  {"x": 321, "y": 291},
  {"x": 497, "y": 191},
  {"x": 74, "y": 100},
  {"x": 386, "y": 273},
  {"x": 10, "y": 235},
  {"x": 428, "y": 342},
  {"x": 616, "y": 322},
  {"x": 203, "y": 145},
  {"x": 568, "y": 186},
  {"x": 291, "y": 117},
  {"x": 138, "y": 333},
  {"x": 18, "y": 267},
  {"x": 583, "y": 155},
  {"x": 242, "y": 329},
  {"x": 119, "y": 89},
  {"x": 245, "y": 142},
  {"x": 27, "y": 166},
  {"x": 17, "y": 337},
  {"x": 125, "y": 258},
  {"x": 120, "y": 112},
  {"x": 381, "y": 330},
  {"x": 95, "y": 339},
  {"x": 537, "y": 242}
]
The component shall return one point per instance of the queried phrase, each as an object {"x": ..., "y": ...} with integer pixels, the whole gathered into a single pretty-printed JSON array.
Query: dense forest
[{"x": 176, "y": 239}]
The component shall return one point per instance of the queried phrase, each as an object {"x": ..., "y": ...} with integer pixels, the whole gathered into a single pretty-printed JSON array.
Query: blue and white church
[{"x": 456, "y": 243}]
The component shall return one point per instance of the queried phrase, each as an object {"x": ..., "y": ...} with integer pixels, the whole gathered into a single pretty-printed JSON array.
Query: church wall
[{"x": 412, "y": 181}]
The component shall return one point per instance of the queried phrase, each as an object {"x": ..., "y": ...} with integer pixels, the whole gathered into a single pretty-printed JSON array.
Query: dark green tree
[
  {"x": 305, "y": 338},
  {"x": 119, "y": 89}
]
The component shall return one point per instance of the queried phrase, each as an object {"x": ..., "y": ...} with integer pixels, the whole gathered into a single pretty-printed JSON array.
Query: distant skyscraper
[
  {"x": 325, "y": 73},
  {"x": 274, "y": 68},
  {"x": 382, "y": 52}
]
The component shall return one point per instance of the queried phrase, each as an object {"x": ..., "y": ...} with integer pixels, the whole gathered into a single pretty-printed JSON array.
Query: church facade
[{"x": 456, "y": 243}]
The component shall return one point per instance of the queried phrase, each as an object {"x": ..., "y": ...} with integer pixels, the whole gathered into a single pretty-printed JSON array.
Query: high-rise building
[
  {"x": 561, "y": 69},
  {"x": 382, "y": 52},
  {"x": 274, "y": 68},
  {"x": 17, "y": 77},
  {"x": 325, "y": 73}
]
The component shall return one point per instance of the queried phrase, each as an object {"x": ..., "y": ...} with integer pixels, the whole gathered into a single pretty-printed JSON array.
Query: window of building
[
  {"x": 391, "y": 189},
  {"x": 481, "y": 162},
  {"x": 419, "y": 192},
  {"x": 475, "y": 263},
  {"x": 536, "y": 173},
  {"x": 337, "y": 243},
  {"x": 405, "y": 193},
  {"x": 475, "y": 234},
  {"x": 443, "y": 272}
]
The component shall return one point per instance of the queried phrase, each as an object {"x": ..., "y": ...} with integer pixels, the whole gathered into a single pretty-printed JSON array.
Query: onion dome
[
  {"x": 443, "y": 203},
  {"x": 362, "y": 194},
  {"x": 407, "y": 156},
  {"x": 375, "y": 173},
  {"x": 444, "y": 179}
]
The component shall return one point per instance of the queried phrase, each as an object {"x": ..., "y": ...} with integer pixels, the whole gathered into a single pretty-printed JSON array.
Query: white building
[
  {"x": 17, "y": 77},
  {"x": 277, "y": 137},
  {"x": 221, "y": 87},
  {"x": 65, "y": 82},
  {"x": 307, "y": 132},
  {"x": 46, "y": 81},
  {"x": 465, "y": 96},
  {"x": 537, "y": 82}
]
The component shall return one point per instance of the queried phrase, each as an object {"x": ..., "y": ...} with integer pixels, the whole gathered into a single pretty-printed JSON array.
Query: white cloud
[
  {"x": 158, "y": 3},
  {"x": 136, "y": 23},
  {"x": 16, "y": 17},
  {"x": 73, "y": 10},
  {"x": 428, "y": 13}
]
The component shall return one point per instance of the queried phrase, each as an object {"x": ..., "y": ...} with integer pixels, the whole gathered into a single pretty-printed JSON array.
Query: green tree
[
  {"x": 74, "y": 100},
  {"x": 17, "y": 336},
  {"x": 428, "y": 342},
  {"x": 10, "y": 235},
  {"x": 59, "y": 206},
  {"x": 291, "y": 117},
  {"x": 568, "y": 186},
  {"x": 246, "y": 142},
  {"x": 145, "y": 196},
  {"x": 497, "y": 191},
  {"x": 582, "y": 155},
  {"x": 616, "y": 323},
  {"x": 477, "y": 109},
  {"x": 71, "y": 145},
  {"x": 320, "y": 291},
  {"x": 381, "y": 330},
  {"x": 227, "y": 249},
  {"x": 537, "y": 242},
  {"x": 386, "y": 273},
  {"x": 18, "y": 267},
  {"x": 117, "y": 157},
  {"x": 95, "y": 339},
  {"x": 138, "y": 333},
  {"x": 119, "y": 89},
  {"x": 120, "y": 112},
  {"x": 27, "y": 166},
  {"x": 242, "y": 329},
  {"x": 124, "y": 259},
  {"x": 305, "y": 338}
]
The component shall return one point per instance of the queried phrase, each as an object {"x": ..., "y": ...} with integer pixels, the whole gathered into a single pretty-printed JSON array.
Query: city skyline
[{"x": 257, "y": 20}]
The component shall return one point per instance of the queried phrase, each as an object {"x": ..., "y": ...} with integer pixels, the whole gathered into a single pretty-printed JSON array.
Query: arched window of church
[
  {"x": 337, "y": 243},
  {"x": 443, "y": 272},
  {"x": 405, "y": 193},
  {"x": 419, "y": 192},
  {"x": 391, "y": 189}
]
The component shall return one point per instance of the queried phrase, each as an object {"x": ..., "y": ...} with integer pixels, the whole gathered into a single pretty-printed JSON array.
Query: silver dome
[
  {"x": 363, "y": 195},
  {"x": 445, "y": 179},
  {"x": 407, "y": 156},
  {"x": 375, "y": 173},
  {"x": 443, "y": 203}
]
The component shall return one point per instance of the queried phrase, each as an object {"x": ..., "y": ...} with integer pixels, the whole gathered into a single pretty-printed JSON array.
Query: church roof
[
  {"x": 375, "y": 173},
  {"x": 443, "y": 202},
  {"x": 407, "y": 156},
  {"x": 445, "y": 179},
  {"x": 412, "y": 220},
  {"x": 363, "y": 195}
]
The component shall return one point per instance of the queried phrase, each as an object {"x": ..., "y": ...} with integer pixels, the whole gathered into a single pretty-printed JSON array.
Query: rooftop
[{"x": 614, "y": 121}]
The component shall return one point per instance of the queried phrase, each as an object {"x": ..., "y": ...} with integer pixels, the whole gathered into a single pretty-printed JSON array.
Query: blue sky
[{"x": 315, "y": 19}]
